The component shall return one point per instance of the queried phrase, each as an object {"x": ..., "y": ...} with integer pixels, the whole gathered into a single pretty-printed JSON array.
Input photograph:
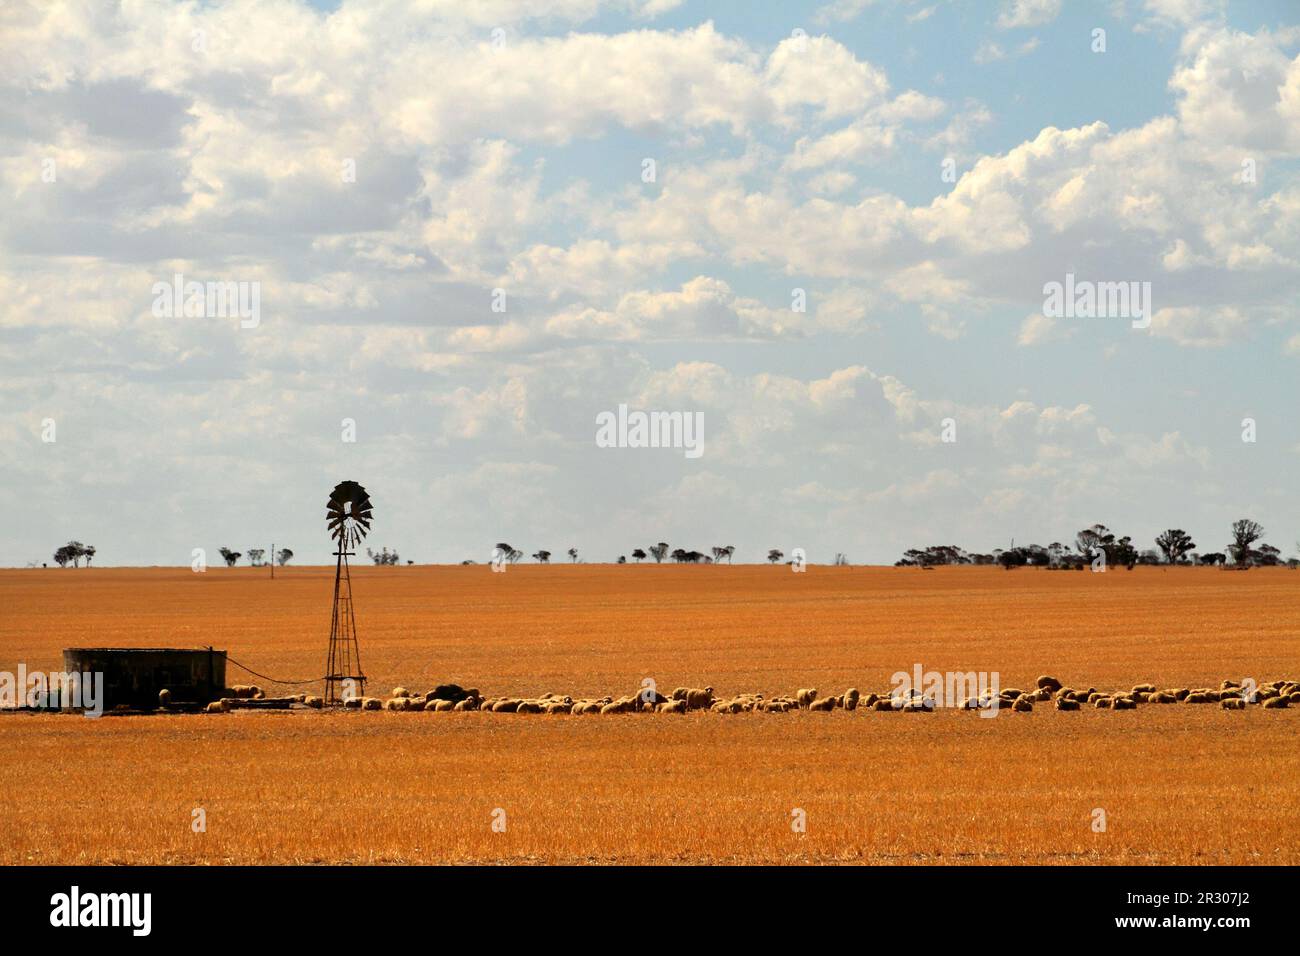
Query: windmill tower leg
[{"x": 344, "y": 662}]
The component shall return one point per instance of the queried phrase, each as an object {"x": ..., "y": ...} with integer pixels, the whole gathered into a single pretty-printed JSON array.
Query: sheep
[
  {"x": 805, "y": 696},
  {"x": 823, "y": 703},
  {"x": 244, "y": 691},
  {"x": 400, "y": 692},
  {"x": 313, "y": 702},
  {"x": 851, "y": 698},
  {"x": 218, "y": 707},
  {"x": 1102, "y": 702},
  {"x": 529, "y": 707},
  {"x": 1229, "y": 684},
  {"x": 1022, "y": 704},
  {"x": 558, "y": 707},
  {"x": 1162, "y": 697},
  {"x": 883, "y": 704},
  {"x": 1141, "y": 697},
  {"x": 671, "y": 707},
  {"x": 1123, "y": 703},
  {"x": 468, "y": 703},
  {"x": 1066, "y": 703},
  {"x": 1049, "y": 684},
  {"x": 371, "y": 703},
  {"x": 1277, "y": 703},
  {"x": 1197, "y": 697},
  {"x": 507, "y": 705},
  {"x": 1042, "y": 694},
  {"x": 1232, "y": 703},
  {"x": 1144, "y": 688},
  {"x": 442, "y": 705},
  {"x": 698, "y": 699}
]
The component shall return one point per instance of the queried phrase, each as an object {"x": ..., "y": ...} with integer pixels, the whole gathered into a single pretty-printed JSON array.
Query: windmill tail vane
[{"x": 348, "y": 518}]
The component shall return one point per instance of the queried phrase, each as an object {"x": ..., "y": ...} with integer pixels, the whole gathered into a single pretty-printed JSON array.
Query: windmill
[{"x": 349, "y": 517}]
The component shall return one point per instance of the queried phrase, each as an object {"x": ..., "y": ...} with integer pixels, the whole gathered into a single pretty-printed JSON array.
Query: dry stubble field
[{"x": 1178, "y": 783}]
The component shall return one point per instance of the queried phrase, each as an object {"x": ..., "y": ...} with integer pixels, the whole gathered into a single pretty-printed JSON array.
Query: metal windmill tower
[{"x": 349, "y": 517}]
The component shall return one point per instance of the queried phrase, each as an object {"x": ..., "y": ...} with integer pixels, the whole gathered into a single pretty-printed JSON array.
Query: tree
[
  {"x": 1245, "y": 532},
  {"x": 89, "y": 552},
  {"x": 774, "y": 556},
  {"x": 62, "y": 557},
  {"x": 639, "y": 555},
  {"x": 1213, "y": 558},
  {"x": 543, "y": 557},
  {"x": 283, "y": 556},
  {"x": 573, "y": 555},
  {"x": 384, "y": 557},
  {"x": 255, "y": 556},
  {"x": 622, "y": 559},
  {"x": 729, "y": 550},
  {"x": 230, "y": 557},
  {"x": 1174, "y": 544},
  {"x": 660, "y": 551},
  {"x": 514, "y": 555}
]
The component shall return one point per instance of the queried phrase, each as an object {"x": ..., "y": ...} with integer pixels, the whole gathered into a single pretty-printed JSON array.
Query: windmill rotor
[{"x": 349, "y": 514}]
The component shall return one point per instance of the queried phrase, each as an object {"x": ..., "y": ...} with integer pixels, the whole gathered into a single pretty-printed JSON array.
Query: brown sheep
[
  {"x": 805, "y": 696},
  {"x": 1144, "y": 688},
  {"x": 1123, "y": 703},
  {"x": 1141, "y": 697},
  {"x": 400, "y": 692},
  {"x": 372, "y": 703},
  {"x": 314, "y": 702},
  {"x": 883, "y": 704},
  {"x": 558, "y": 707},
  {"x": 1232, "y": 703},
  {"x": 1197, "y": 697},
  {"x": 529, "y": 707},
  {"x": 505, "y": 706},
  {"x": 1102, "y": 702},
  {"x": 699, "y": 699},
  {"x": 1023, "y": 704},
  {"x": 672, "y": 707},
  {"x": 1162, "y": 697},
  {"x": 1277, "y": 703},
  {"x": 1049, "y": 684},
  {"x": 1066, "y": 703},
  {"x": 442, "y": 705},
  {"x": 823, "y": 703},
  {"x": 851, "y": 698},
  {"x": 218, "y": 707}
]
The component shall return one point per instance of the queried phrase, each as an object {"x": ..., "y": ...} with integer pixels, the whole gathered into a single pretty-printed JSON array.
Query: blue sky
[{"x": 499, "y": 145}]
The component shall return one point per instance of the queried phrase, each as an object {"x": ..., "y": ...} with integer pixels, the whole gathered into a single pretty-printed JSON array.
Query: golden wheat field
[{"x": 1178, "y": 784}]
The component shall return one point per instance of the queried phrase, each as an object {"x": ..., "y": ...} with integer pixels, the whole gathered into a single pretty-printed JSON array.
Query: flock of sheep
[{"x": 1230, "y": 695}]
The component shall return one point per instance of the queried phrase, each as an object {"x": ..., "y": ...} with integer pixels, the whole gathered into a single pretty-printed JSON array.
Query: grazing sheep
[
  {"x": 506, "y": 705},
  {"x": 1232, "y": 703},
  {"x": 1277, "y": 703},
  {"x": 244, "y": 691},
  {"x": 400, "y": 692},
  {"x": 469, "y": 703},
  {"x": 352, "y": 703},
  {"x": 1042, "y": 694},
  {"x": 1022, "y": 704},
  {"x": 432, "y": 705},
  {"x": 1123, "y": 703},
  {"x": 671, "y": 707},
  {"x": 1144, "y": 688},
  {"x": 884, "y": 704},
  {"x": 823, "y": 703},
  {"x": 371, "y": 703},
  {"x": 851, "y": 698},
  {"x": 442, "y": 705},
  {"x": 1066, "y": 703},
  {"x": 314, "y": 702},
  {"x": 218, "y": 707},
  {"x": 529, "y": 707},
  {"x": 1230, "y": 685},
  {"x": 1012, "y": 692},
  {"x": 1162, "y": 697},
  {"x": 1294, "y": 697},
  {"x": 1102, "y": 702},
  {"x": 1196, "y": 697},
  {"x": 805, "y": 696},
  {"x": 557, "y": 707},
  {"x": 920, "y": 705},
  {"x": 1181, "y": 693},
  {"x": 1049, "y": 684},
  {"x": 1141, "y": 697}
]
